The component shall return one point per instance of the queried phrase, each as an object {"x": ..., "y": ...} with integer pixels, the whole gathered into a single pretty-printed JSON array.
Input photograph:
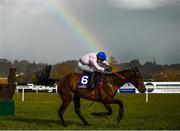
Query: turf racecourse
[{"x": 39, "y": 111}]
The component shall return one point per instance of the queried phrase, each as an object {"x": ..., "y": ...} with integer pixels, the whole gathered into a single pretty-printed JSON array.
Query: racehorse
[{"x": 104, "y": 93}]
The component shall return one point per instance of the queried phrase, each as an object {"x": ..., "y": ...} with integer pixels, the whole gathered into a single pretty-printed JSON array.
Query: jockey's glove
[{"x": 108, "y": 69}]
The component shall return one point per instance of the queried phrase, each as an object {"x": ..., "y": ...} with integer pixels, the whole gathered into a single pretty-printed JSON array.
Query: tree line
[{"x": 151, "y": 71}]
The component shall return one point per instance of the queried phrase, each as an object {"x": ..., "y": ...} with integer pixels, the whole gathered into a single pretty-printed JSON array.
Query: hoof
[
  {"x": 87, "y": 124},
  {"x": 100, "y": 114},
  {"x": 64, "y": 125},
  {"x": 119, "y": 119},
  {"x": 94, "y": 113}
]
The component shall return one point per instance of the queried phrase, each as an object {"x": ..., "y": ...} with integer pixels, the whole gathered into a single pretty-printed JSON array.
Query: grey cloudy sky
[{"x": 128, "y": 29}]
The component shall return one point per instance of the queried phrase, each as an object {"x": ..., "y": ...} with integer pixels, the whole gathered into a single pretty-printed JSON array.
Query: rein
[
  {"x": 116, "y": 88},
  {"x": 120, "y": 76}
]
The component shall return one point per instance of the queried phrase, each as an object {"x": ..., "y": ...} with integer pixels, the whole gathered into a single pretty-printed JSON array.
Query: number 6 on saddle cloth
[{"x": 89, "y": 80}]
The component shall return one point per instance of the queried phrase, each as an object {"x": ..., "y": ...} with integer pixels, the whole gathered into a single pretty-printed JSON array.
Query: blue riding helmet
[{"x": 101, "y": 55}]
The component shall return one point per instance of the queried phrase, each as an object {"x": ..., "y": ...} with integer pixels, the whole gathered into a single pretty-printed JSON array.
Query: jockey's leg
[
  {"x": 97, "y": 79},
  {"x": 91, "y": 81},
  {"x": 85, "y": 68},
  {"x": 96, "y": 76}
]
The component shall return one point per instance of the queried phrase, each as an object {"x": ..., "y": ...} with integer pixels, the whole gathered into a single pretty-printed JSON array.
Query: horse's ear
[
  {"x": 136, "y": 68},
  {"x": 137, "y": 71},
  {"x": 133, "y": 69}
]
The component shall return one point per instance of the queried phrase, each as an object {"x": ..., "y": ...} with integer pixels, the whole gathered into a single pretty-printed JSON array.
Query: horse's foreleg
[
  {"x": 62, "y": 109},
  {"x": 109, "y": 109},
  {"x": 78, "y": 109},
  {"x": 121, "y": 110},
  {"x": 121, "y": 107}
]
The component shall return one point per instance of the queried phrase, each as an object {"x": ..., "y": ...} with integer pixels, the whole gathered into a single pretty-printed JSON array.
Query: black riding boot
[
  {"x": 97, "y": 79},
  {"x": 91, "y": 82},
  {"x": 96, "y": 76}
]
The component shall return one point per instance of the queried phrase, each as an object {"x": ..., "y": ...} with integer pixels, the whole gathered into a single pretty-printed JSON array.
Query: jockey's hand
[{"x": 108, "y": 69}]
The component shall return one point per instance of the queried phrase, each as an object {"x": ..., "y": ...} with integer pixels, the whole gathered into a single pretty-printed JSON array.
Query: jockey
[{"x": 94, "y": 62}]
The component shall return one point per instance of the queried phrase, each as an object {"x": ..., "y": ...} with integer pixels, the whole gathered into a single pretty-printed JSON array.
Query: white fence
[
  {"x": 35, "y": 88},
  {"x": 161, "y": 87},
  {"x": 152, "y": 87}
]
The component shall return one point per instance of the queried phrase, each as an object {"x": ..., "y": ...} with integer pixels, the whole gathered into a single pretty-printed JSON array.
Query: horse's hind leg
[
  {"x": 62, "y": 109},
  {"x": 78, "y": 109},
  {"x": 109, "y": 111}
]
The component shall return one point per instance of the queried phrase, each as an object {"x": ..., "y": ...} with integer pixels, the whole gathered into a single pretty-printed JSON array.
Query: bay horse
[{"x": 104, "y": 93}]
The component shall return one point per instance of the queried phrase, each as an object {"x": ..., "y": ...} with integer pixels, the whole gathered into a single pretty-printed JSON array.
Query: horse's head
[
  {"x": 137, "y": 80},
  {"x": 133, "y": 76}
]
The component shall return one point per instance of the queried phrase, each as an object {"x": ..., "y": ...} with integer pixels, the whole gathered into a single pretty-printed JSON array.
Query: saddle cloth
[{"x": 84, "y": 80}]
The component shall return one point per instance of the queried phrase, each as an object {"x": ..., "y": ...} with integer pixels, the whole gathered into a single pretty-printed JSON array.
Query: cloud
[
  {"x": 32, "y": 29},
  {"x": 16, "y": 8},
  {"x": 141, "y": 4}
]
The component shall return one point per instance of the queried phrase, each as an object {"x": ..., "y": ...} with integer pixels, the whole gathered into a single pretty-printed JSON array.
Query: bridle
[{"x": 122, "y": 77}]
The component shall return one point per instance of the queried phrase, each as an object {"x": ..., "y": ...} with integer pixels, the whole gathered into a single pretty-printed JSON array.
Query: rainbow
[{"x": 73, "y": 24}]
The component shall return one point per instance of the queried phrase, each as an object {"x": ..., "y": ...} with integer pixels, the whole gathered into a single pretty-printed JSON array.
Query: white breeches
[{"x": 85, "y": 67}]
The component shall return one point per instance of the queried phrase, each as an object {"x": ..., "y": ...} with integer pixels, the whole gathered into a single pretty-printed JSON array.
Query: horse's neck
[
  {"x": 124, "y": 76},
  {"x": 115, "y": 81}
]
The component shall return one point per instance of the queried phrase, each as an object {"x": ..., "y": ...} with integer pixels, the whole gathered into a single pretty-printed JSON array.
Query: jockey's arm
[
  {"x": 107, "y": 66},
  {"x": 95, "y": 64},
  {"x": 106, "y": 63}
]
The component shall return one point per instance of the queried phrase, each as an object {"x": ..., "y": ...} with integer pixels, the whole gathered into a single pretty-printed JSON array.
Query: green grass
[{"x": 39, "y": 111}]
